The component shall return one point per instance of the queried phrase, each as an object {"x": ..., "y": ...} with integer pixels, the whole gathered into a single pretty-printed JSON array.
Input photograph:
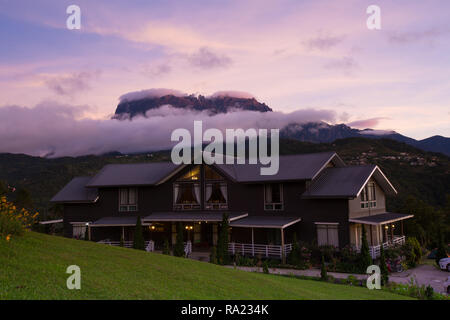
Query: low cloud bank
[{"x": 51, "y": 129}]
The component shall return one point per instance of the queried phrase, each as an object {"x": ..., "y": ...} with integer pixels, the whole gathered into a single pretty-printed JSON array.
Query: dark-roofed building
[{"x": 315, "y": 196}]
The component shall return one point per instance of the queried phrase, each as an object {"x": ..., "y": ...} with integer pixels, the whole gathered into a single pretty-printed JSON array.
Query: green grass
[{"x": 33, "y": 267}]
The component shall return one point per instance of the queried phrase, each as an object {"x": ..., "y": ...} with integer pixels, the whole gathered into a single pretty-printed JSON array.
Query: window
[
  {"x": 186, "y": 191},
  {"x": 79, "y": 230},
  {"x": 128, "y": 199},
  {"x": 368, "y": 196},
  {"x": 327, "y": 234},
  {"x": 216, "y": 193},
  {"x": 273, "y": 196}
]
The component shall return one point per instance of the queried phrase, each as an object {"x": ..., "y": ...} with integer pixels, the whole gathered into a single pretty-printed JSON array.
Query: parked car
[
  {"x": 444, "y": 264},
  {"x": 447, "y": 285}
]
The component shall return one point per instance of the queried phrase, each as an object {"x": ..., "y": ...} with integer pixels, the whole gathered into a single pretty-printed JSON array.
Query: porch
[
  {"x": 382, "y": 230},
  {"x": 262, "y": 225}
]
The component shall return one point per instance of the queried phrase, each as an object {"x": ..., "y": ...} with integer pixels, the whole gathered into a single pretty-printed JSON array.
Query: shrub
[
  {"x": 166, "y": 247},
  {"x": 178, "y": 250},
  {"x": 441, "y": 251},
  {"x": 429, "y": 292},
  {"x": 14, "y": 222},
  {"x": 365, "y": 259},
  {"x": 412, "y": 252},
  {"x": 138, "y": 241},
  {"x": 265, "y": 267},
  {"x": 222, "y": 243},
  {"x": 213, "y": 255},
  {"x": 383, "y": 268},
  {"x": 323, "y": 271},
  {"x": 294, "y": 255}
]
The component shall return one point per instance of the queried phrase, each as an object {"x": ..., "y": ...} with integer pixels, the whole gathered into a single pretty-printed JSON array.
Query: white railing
[
  {"x": 187, "y": 248},
  {"x": 149, "y": 245},
  {"x": 375, "y": 251},
  {"x": 264, "y": 250}
]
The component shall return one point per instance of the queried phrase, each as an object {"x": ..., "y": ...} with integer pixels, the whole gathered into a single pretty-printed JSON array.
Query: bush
[
  {"x": 222, "y": 243},
  {"x": 138, "y": 241},
  {"x": 166, "y": 247},
  {"x": 323, "y": 271},
  {"x": 441, "y": 251},
  {"x": 383, "y": 268},
  {"x": 178, "y": 250},
  {"x": 213, "y": 255},
  {"x": 265, "y": 267},
  {"x": 412, "y": 252},
  {"x": 294, "y": 255},
  {"x": 14, "y": 222},
  {"x": 365, "y": 259}
]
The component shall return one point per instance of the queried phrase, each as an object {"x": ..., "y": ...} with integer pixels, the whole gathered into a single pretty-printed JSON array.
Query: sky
[{"x": 316, "y": 56}]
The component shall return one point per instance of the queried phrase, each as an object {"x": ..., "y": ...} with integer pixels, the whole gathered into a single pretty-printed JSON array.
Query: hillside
[{"x": 33, "y": 267}]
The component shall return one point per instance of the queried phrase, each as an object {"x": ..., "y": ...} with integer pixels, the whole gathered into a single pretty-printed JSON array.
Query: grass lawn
[{"x": 34, "y": 266}]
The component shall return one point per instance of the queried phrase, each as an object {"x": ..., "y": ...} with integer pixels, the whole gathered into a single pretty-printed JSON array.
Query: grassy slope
[{"x": 33, "y": 267}]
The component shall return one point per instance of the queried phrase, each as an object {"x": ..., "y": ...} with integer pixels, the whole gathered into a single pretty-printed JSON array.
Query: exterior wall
[
  {"x": 246, "y": 198},
  {"x": 356, "y": 211}
]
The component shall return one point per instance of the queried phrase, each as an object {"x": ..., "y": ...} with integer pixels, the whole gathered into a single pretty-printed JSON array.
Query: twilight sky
[{"x": 289, "y": 54}]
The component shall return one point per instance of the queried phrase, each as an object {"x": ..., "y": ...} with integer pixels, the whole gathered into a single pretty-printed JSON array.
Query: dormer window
[
  {"x": 127, "y": 199},
  {"x": 216, "y": 193},
  {"x": 368, "y": 196},
  {"x": 273, "y": 196},
  {"x": 186, "y": 190}
]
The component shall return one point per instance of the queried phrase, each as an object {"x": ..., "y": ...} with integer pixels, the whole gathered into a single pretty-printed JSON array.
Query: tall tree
[
  {"x": 222, "y": 244},
  {"x": 365, "y": 259},
  {"x": 383, "y": 267},
  {"x": 138, "y": 241},
  {"x": 178, "y": 250}
]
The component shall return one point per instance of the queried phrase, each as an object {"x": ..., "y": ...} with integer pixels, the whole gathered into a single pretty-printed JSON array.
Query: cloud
[
  {"x": 71, "y": 84},
  {"x": 59, "y": 130},
  {"x": 150, "y": 93},
  {"x": 346, "y": 64},
  {"x": 204, "y": 58},
  {"x": 417, "y": 36},
  {"x": 323, "y": 42},
  {"x": 366, "y": 123},
  {"x": 157, "y": 70}
]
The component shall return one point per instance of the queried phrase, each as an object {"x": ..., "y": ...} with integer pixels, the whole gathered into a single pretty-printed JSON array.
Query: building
[{"x": 314, "y": 195}]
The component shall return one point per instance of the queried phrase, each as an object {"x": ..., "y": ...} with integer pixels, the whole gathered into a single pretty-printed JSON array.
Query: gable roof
[
  {"x": 291, "y": 167},
  {"x": 347, "y": 182},
  {"x": 76, "y": 191},
  {"x": 135, "y": 174}
]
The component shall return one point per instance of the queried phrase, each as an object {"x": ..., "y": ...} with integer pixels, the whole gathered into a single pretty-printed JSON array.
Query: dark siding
[{"x": 241, "y": 197}]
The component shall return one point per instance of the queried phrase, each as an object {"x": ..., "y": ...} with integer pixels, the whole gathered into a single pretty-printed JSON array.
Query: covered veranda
[
  {"x": 264, "y": 223},
  {"x": 384, "y": 229}
]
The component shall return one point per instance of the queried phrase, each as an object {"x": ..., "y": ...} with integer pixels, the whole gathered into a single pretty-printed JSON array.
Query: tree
[
  {"x": 23, "y": 199},
  {"x": 365, "y": 259},
  {"x": 213, "y": 255},
  {"x": 383, "y": 267},
  {"x": 121, "y": 240},
  {"x": 323, "y": 270},
  {"x": 178, "y": 250},
  {"x": 86, "y": 233},
  {"x": 166, "y": 247},
  {"x": 294, "y": 255},
  {"x": 441, "y": 252},
  {"x": 222, "y": 243},
  {"x": 3, "y": 188},
  {"x": 138, "y": 241}
]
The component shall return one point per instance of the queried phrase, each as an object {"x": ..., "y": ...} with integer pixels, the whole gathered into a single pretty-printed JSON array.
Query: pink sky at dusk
[{"x": 290, "y": 55}]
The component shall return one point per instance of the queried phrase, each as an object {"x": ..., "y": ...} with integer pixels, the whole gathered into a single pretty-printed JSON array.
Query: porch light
[
  {"x": 386, "y": 227},
  {"x": 152, "y": 227},
  {"x": 189, "y": 227},
  {"x": 393, "y": 226}
]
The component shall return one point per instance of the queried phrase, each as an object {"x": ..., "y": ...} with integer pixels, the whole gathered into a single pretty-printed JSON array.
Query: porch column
[
  {"x": 371, "y": 235},
  {"x": 253, "y": 243},
  {"x": 283, "y": 258},
  {"x": 123, "y": 233},
  {"x": 401, "y": 224},
  {"x": 89, "y": 231},
  {"x": 392, "y": 233}
]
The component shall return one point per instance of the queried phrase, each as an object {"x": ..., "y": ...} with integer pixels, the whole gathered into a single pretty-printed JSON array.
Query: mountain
[
  {"x": 128, "y": 109},
  {"x": 319, "y": 132}
]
